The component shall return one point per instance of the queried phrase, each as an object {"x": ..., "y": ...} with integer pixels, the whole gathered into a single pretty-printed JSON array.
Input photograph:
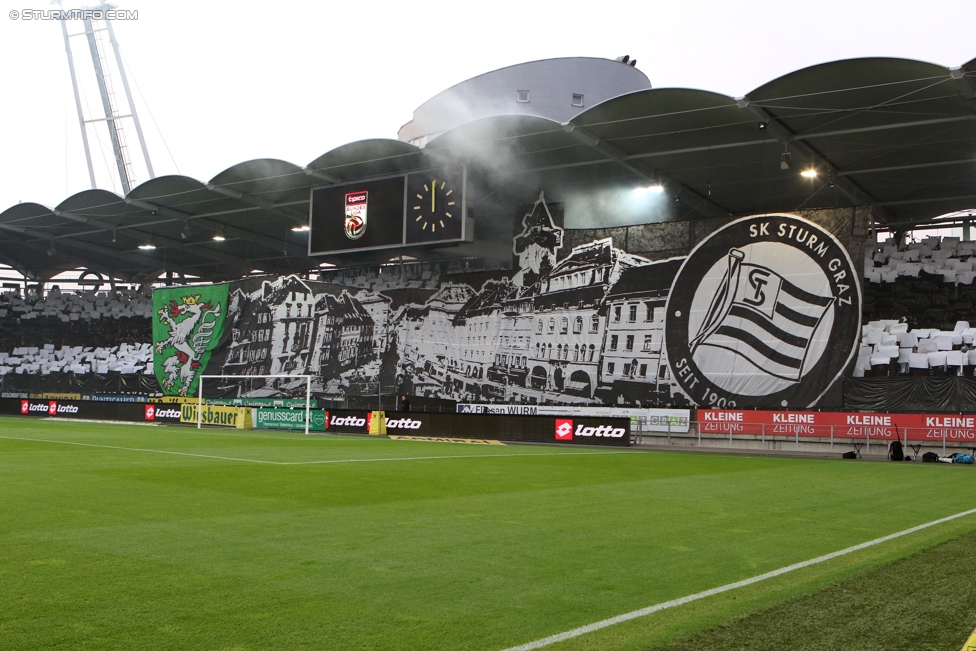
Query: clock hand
[{"x": 433, "y": 196}]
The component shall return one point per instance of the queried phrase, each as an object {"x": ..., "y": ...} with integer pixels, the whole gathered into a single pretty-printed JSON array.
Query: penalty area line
[
  {"x": 308, "y": 463},
  {"x": 643, "y": 612}
]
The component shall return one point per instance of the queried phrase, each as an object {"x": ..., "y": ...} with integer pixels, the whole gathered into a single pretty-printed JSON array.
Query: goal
[{"x": 307, "y": 394}]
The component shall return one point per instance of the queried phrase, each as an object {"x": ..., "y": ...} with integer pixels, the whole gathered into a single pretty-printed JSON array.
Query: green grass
[
  {"x": 926, "y": 602},
  {"x": 111, "y": 548}
]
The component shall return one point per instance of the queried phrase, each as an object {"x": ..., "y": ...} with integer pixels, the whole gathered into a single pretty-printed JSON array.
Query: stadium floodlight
[
  {"x": 219, "y": 238},
  {"x": 650, "y": 189},
  {"x": 147, "y": 247},
  {"x": 300, "y": 229},
  {"x": 308, "y": 392},
  {"x": 809, "y": 174}
]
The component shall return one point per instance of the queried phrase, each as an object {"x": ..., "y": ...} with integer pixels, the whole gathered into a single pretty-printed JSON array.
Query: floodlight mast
[
  {"x": 81, "y": 114},
  {"x": 112, "y": 116}
]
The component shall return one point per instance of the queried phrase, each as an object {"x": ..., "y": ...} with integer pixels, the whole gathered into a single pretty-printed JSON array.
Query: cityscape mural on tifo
[{"x": 579, "y": 326}]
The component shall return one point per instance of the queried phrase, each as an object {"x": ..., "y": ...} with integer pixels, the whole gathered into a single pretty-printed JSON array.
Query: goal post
[{"x": 308, "y": 391}]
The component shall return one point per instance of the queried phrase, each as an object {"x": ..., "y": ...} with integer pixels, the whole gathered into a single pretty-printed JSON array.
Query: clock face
[{"x": 434, "y": 201}]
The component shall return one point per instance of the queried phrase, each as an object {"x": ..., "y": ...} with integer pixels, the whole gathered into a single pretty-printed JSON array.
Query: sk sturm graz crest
[
  {"x": 356, "y": 203},
  {"x": 764, "y": 312},
  {"x": 189, "y": 323}
]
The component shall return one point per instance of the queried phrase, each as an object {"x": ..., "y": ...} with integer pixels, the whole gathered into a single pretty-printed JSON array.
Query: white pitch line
[
  {"x": 451, "y": 456},
  {"x": 310, "y": 463},
  {"x": 116, "y": 447},
  {"x": 643, "y": 612}
]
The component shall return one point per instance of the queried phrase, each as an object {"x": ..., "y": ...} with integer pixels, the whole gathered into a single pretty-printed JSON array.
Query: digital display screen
[
  {"x": 418, "y": 208},
  {"x": 357, "y": 216}
]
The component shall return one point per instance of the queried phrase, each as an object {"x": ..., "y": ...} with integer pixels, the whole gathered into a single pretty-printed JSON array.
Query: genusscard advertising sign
[{"x": 765, "y": 311}]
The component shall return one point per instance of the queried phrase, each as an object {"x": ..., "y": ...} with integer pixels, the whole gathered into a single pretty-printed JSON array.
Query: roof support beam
[
  {"x": 966, "y": 83},
  {"x": 881, "y": 127},
  {"x": 158, "y": 239},
  {"x": 23, "y": 268},
  {"x": 104, "y": 252},
  {"x": 895, "y": 168},
  {"x": 218, "y": 227},
  {"x": 781, "y": 132},
  {"x": 79, "y": 261},
  {"x": 907, "y": 202},
  {"x": 322, "y": 176},
  {"x": 682, "y": 192},
  {"x": 252, "y": 200}
]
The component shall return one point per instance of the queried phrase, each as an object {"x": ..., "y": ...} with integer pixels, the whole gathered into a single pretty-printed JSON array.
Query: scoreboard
[{"x": 419, "y": 208}]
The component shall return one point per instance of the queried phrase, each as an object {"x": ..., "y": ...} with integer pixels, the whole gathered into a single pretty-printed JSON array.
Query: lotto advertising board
[
  {"x": 528, "y": 429},
  {"x": 57, "y": 408},
  {"x": 651, "y": 420},
  {"x": 848, "y": 425},
  {"x": 155, "y": 412}
]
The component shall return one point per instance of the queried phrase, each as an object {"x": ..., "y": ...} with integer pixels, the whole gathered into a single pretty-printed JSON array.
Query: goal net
[{"x": 292, "y": 392}]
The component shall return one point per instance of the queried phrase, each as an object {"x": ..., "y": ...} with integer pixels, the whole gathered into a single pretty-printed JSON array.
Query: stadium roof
[{"x": 895, "y": 134}]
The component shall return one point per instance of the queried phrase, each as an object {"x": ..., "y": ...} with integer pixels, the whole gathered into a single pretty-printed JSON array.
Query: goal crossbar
[{"x": 308, "y": 392}]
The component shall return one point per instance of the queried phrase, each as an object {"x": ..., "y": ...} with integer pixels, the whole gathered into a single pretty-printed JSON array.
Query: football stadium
[{"x": 574, "y": 363}]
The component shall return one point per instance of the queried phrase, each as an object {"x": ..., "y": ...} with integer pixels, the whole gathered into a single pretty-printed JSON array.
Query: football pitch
[{"x": 166, "y": 537}]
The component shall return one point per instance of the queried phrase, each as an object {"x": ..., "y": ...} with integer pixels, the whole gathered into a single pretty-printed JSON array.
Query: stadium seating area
[
  {"x": 124, "y": 358},
  {"x": 79, "y": 333},
  {"x": 918, "y": 305}
]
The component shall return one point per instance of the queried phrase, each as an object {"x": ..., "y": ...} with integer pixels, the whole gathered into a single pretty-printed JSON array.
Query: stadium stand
[
  {"x": 77, "y": 333},
  {"x": 918, "y": 307}
]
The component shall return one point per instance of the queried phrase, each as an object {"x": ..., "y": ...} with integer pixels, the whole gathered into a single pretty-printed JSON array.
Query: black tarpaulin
[{"x": 953, "y": 394}]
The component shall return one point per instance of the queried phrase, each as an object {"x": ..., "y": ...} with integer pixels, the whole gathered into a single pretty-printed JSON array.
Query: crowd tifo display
[
  {"x": 80, "y": 333},
  {"x": 763, "y": 311}
]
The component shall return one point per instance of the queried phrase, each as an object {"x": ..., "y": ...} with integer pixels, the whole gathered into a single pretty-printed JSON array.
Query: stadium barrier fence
[
  {"x": 712, "y": 428},
  {"x": 779, "y": 436},
  {"x": 532, "y": 429}
]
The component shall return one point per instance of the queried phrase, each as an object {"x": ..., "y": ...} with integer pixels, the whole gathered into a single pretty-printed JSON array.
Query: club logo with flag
[
  {"x": 188, "y": 326},
  {"x": 764, "y": 311}
]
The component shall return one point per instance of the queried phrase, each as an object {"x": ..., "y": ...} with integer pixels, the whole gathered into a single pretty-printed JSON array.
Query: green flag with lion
[{"x": 188, "y": 324}]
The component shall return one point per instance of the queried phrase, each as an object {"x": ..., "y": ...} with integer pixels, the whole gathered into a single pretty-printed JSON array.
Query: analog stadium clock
[{"x": 434, "y": 202}]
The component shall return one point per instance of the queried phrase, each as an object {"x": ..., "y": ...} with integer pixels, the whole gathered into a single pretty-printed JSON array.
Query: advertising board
[
  {"x": 291, "y": 419},
  {"x": 58, "y": 408},
  {"x": 238, "y": 417},
  {"x": 499, "y": 427},
  {"x": 848, "y": 425},
  {"x": 650, "y": 420},
  {"x": 161, "y": 413}
]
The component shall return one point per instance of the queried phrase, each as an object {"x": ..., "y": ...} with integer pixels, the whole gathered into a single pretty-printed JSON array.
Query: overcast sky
[{"x": 218, "y": 84}]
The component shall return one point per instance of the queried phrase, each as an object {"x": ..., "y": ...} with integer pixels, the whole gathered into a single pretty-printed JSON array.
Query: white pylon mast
[{"x": 111, "y": 117}]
